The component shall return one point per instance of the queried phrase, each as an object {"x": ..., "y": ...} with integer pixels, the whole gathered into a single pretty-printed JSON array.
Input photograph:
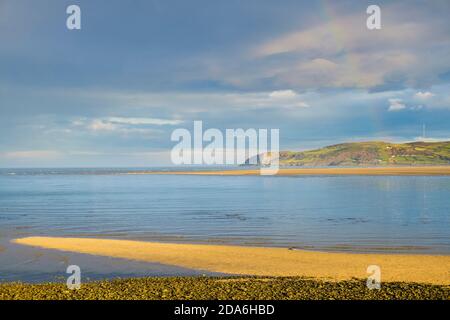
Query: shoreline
[
  {"x": 223, "y": 288},
  {"x": 333, "y": 171},
  {"x": 260, "y": 261}
]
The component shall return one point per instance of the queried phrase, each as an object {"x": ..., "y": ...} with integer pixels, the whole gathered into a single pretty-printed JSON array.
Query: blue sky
[{"x": 111, "y": 93}]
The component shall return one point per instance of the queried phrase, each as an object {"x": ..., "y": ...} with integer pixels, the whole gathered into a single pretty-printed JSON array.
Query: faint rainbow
[{"x": 339, "y": 33}]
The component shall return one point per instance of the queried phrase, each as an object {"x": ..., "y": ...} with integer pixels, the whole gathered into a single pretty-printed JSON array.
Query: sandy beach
[
  {"x": 376, "y": 171},
  {"x": 260, "y": 261}
]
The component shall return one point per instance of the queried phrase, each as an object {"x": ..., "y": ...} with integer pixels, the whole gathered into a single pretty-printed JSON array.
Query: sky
[{"x": 112, "y": 93}]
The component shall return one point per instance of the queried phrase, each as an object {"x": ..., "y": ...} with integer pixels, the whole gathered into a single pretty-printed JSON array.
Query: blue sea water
[{"x": 344, "y": 213}]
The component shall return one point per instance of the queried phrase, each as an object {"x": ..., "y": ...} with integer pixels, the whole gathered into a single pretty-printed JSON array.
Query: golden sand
[
  {"x": 385, "y": 171},
  {"x": 260, "y": 261}
]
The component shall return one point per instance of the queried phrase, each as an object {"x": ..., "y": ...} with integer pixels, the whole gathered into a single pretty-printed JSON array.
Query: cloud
[
  {"x": 301, "y": 104},
  {"x": 342, "y": 53},
  {"x": 102, "y": 125},
  {"x": 33, "y": 154},
  {"x": 124, "y": 124},
  {"x": 264, "y": 71},
  {"x": 269, "y": 47},
  {"x": 396, "y": 105},
  {"x": 287, "y": 98},
  {"x": 144, "y": 121},
  {"x": 174, "y": 105},
  {"x": 424, "y": 95},
  {"x": 283, "y": 94}
]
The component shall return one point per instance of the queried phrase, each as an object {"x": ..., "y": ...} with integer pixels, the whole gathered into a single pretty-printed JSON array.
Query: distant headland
[{"x": 372, "y": 153}]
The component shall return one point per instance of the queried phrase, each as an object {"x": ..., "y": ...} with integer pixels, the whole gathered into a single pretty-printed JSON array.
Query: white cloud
[
  {"x": 424, "y": 95},
  {"x": 301, "y": 104},
  {"x": 143, "y": 121},
  {"x": 33, "y": 154},
  {"x": 101, "y": 125},
  {"x": 78, "y": 122},
  {"x": 285, "y": 98},
  {"x": 396, "y": 105},
  {"x": 124, "y": 128},
  {"x": 181, "y": 104},
  {"x": 283, "y": 94},
  {"x": 123, "y": 125}
]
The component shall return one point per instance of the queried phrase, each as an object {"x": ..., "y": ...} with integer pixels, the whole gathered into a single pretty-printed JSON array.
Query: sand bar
[
  {"x": 376, "y": 171},
  {"x": 260, "y": 261}
]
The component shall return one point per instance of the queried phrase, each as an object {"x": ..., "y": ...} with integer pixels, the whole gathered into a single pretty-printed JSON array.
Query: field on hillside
[{"x": 371, "y": 153}]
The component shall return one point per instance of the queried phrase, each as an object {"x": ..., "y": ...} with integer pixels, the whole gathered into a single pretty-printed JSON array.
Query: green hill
[{"x": 371, "y": 153}]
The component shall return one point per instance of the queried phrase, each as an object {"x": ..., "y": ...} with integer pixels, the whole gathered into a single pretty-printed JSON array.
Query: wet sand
[
  {"x": 260, "y": 261},
  {"x": 38, "y": 265},
  {"x": 377, "y": 171}
]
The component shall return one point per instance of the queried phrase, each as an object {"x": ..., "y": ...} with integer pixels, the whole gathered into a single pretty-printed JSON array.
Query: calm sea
[{"x": 408, "y": 214}]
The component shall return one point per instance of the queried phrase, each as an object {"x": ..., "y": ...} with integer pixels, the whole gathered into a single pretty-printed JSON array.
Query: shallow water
[
  {"x": 343, "y": 213},
  {"x": 29, "y": 264},
  {"x": 347, "y": 213}
]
